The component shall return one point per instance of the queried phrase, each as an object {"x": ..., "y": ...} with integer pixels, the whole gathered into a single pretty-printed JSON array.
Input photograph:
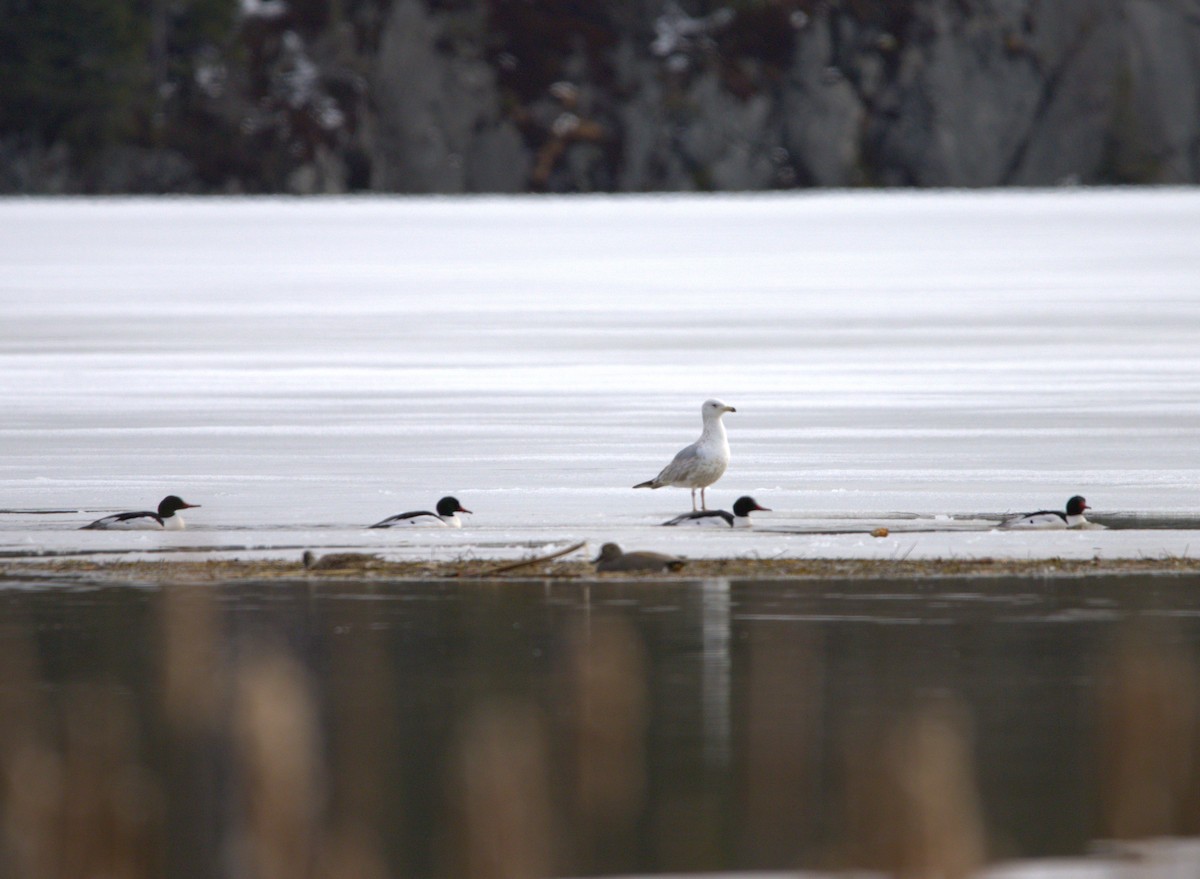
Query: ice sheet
[{"x": 304, "y": 368}]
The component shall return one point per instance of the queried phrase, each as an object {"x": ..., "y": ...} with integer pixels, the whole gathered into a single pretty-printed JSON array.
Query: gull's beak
[{"x": 730, "y": 409}]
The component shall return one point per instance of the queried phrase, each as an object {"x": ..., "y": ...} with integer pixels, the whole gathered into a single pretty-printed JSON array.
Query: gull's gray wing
[{"x": 681, "y": 465}]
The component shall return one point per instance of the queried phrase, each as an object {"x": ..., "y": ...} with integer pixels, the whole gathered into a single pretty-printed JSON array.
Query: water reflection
[
  {"x": 536, "y": 728},
  {"x": 716, "y": 671}
]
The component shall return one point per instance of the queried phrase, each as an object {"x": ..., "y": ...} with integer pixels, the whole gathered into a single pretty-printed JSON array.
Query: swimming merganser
[
  {"x": 703, "y": 462},
  {"x": 739, "y": 518},
  {"x": 446, "y": 516},
  {"x": 1051, "y": 519},
  {"x": 611, "y": 558},
  {"x": 166, "y": 518}
]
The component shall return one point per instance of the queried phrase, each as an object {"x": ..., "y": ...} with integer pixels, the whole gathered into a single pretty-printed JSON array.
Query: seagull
[
  {"x": 145, "y": 520},
  {"x": 739, "y": 518},
  {"x": 448, "y": 509},
  {"x": 1049, "y": 519},
  {"x": 611, "y": 558},
  {"x": 702, "y": 463}
]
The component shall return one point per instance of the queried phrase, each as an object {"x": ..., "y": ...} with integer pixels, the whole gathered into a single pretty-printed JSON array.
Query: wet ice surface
[{"x": 922, "y": 362}]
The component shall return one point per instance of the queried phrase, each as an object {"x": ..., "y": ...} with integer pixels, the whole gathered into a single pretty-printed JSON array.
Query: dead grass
[{"x": 370, "y": 568}]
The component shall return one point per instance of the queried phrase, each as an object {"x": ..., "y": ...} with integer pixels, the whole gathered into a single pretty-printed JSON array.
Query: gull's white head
[{"x": 714, "y": 409}]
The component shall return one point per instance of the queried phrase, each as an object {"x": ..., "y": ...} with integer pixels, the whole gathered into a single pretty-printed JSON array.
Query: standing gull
[{"x": 702, "y": 463}]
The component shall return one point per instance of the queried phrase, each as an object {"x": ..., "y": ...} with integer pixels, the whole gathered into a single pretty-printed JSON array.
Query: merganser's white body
[
  {"x": 739, "y": 518},
  {"x": 1049, "y": 520},
  {"x": 446, "y": 516},
  {"x": 167, "y": 518},
  {"x": 704, "y": 461}
]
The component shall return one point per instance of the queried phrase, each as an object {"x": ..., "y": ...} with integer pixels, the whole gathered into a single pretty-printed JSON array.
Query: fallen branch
[{"x": 512, "y": 566}]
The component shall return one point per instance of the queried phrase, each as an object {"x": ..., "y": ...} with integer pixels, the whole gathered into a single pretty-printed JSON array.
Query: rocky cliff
[{"x": 454, "y": 96}]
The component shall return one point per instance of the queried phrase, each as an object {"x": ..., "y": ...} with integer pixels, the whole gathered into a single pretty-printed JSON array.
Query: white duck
[
  {"x": 166, "y": 518},
  {"x": 1052, "y": 519}
]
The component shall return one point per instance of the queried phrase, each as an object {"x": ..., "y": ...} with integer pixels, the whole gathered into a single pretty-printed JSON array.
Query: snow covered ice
[{"x": 304, "y": 368}]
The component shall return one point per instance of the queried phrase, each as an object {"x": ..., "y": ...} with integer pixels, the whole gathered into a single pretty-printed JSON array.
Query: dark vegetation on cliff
[{"x": 448, "y": 96}]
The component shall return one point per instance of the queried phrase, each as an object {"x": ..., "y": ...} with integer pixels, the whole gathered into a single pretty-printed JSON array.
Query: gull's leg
[
  {"x": 703, "y": 502},
  {"x": 693, "y": 500}
]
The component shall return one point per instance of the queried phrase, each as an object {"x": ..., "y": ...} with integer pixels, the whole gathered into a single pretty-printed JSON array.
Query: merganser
[
  {"x": 739, "y": 518},
  {"x": 446, "y": 516},
  {"x": 1050, "y": 519},
  {"x": 703, "y": 462},
  {"x": 165, "y": 519},
  {"x": 611, "y": 558}
]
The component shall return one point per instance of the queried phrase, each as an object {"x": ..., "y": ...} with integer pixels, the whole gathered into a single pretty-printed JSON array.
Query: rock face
[
  {"x": 955, "y": 94},
  {"x": 428, "y": 96},
  {"x": 1038, "y": 94},
  {"x": 439, "y": 127}
]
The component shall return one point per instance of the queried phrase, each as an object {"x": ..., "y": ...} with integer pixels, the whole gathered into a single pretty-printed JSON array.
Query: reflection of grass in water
[
  {"x": 912, "y": 808},
  {"x": 241, "y": 764},
  {"x": 1149, "y": 710}
]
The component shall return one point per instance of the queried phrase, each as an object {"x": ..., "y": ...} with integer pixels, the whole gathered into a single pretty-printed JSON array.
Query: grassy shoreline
[{"x": 365, "y": 567}]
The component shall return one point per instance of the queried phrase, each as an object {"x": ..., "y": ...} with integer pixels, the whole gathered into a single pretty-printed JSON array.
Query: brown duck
[{"x": 611, "y": 558}]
